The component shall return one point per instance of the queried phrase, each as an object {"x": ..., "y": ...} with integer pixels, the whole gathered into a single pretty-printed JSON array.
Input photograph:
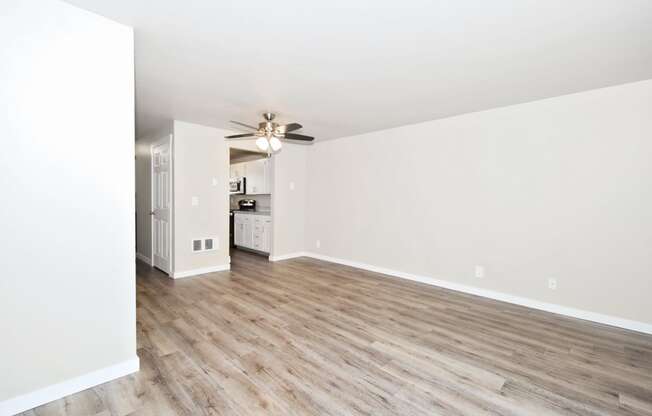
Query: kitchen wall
[
  {"x": 263, "y": 202},
  {"x": 68, "y": 308},
  {"x": 201, "y": 156},
  {"x": 559, "y": 188}
]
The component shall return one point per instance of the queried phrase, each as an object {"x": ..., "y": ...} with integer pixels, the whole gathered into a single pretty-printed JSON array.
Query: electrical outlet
[
  {"x": 479, "y": 272},
  {"x": 552, "y": 284},
  {"x": 317, "y": 243}
]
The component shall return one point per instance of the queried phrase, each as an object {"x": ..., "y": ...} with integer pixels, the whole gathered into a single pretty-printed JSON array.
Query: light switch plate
[
  {"x": 479, "y": 272},
  {"x": 291, "y": 186},
  {"x": 194, "y": 201}
]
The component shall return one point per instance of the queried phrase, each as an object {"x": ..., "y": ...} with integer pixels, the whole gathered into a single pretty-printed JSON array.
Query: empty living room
[{"x": 218, "y": 207}]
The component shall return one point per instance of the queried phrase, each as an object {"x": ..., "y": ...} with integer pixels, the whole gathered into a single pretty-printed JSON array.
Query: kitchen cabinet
[
  {"x": 258, "y": 173},
  {"x": 259, "y": 177},
  {"x": 238, "y": 170},
  {"x": 253, "y": 231},
  {"x": 262, "y": 233},
  {"x": 238, "y": 231}
]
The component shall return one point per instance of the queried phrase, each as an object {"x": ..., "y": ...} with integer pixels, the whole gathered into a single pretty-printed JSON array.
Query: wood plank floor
[{"x": 306, "y": 337}]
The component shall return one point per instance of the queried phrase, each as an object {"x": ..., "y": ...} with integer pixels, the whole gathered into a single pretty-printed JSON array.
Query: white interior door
[{"x": 161, "y": 215}]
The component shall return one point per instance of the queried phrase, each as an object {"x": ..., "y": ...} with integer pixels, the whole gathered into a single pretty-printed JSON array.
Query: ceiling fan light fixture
[
  {"x": 262, "y": 143},
  {"x": 269, "y": 134},
  {"x": 275, "y": 143}
]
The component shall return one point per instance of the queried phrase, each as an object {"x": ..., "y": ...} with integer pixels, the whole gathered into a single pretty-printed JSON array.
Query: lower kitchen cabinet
[{"x": 253, "y": 231}]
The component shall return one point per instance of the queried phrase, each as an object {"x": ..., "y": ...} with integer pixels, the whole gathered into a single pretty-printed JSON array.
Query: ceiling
[{"x": 343, "y": 67}]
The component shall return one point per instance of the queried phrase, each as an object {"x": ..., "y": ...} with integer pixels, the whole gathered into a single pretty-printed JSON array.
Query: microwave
[{"x": 238, "y": 186}]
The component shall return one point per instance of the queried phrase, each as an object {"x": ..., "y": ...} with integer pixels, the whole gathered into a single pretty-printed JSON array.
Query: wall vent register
[{"x": 204, "y": 244}]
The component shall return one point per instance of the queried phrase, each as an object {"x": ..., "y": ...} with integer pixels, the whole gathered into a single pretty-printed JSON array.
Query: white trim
[
  {"x": 288, "y": 256},
  {"x": 144, "y": 258},
  {"x": 195, "y": 272},
  {"x": 65, "y": 388},
  {"x": 504, "y": 297}
]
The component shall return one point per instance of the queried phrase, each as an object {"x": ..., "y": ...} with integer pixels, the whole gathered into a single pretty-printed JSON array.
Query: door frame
[{"x": 166, "y": 140}]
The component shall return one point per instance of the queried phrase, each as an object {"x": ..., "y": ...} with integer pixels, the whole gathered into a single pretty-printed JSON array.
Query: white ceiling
[{"x": 342, "y": 67}]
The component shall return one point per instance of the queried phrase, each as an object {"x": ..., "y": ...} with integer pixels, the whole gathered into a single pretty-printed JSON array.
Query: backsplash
[{"x": 263, "y": 202}]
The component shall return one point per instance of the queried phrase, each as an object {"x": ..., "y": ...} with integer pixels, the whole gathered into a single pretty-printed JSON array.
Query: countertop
[{"x": 267, "y": 213}]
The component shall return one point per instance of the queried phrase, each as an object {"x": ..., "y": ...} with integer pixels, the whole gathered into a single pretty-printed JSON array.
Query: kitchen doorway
[{"x": 250, "y": 210}]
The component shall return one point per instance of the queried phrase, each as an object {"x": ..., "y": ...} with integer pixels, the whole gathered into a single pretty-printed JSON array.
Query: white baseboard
[
  {"x": 65, "y": 388},
  {"x": 517, "y": 300},
  {"x": 144, "y": 258},
  {"x": 195, "y": 272},
  {"x": 288, "y": 256}
]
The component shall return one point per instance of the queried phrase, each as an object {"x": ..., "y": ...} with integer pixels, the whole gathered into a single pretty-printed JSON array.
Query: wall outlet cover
[{"x": 552, "y": 284}]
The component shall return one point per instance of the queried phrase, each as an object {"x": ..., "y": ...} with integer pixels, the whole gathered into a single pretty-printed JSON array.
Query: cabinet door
[
  {"x": 267, "y": 235},
  {"x": 238, "y": 230},
  {"x": 247, "y": 240},
  {"x": 258, "y": 233},
  {"x": 255, "y": 177},
  {"x": 238, "y": 170},
  {"x": 242, "y": 225}
]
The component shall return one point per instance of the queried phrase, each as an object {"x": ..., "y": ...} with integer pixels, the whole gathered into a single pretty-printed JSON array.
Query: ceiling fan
[{"x": 270, "y": 133}]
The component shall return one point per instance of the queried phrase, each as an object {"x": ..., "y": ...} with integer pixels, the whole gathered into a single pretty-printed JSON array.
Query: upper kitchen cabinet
[
  {"x": 259, "y": 176},
  {"x": 238, "y": 170}
]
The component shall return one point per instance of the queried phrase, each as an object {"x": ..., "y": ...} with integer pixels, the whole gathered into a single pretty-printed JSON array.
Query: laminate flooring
[{"x": 307, "y": 337}]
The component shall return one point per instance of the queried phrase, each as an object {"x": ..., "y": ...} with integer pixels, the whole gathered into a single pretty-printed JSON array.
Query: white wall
[
  {"x": 289, "y": 193},
  {"x": 200, "y": 154},
  {"x": 67, "y": 214},
  {"x": 556, "y": 188}
]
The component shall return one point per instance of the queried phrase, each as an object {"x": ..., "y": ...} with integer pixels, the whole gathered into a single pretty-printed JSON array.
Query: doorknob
[{"x": 151, "y": 213}]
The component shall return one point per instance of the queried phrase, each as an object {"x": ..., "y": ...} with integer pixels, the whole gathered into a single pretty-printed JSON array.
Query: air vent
[
  {"x": 211, "y": 243},
  {"x": 205, "y": 244}
]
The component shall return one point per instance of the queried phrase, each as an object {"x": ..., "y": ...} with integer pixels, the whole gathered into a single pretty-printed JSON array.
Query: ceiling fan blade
[
  {"x": 294, "y": 136},
  {"x": 240, "y": 136},
  {"x": 243, "y": 124},
  {"x": 289, "y": 127}
]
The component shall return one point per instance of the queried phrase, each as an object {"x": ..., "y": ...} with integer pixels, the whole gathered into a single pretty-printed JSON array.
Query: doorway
[{"x": 250, "y": 215}]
